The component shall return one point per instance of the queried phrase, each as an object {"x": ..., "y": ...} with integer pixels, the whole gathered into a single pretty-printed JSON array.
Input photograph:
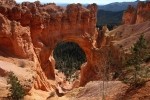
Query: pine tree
[
  {"x": 16, "y": 90},
  {"x": 136, "y": 72}
]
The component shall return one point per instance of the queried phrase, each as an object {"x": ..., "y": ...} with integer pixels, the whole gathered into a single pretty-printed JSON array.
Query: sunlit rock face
[
  {"x": 137, "y": 15},
  {"x": 143, "y": 12},
  {"x": 129, "y": 16},
  {"x": 31, "y": 31}
]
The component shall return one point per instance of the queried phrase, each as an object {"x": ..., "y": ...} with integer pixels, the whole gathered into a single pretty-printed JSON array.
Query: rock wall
[
  {"x": 7, "y": 2},
  {"x": 143, "y": 12},
  {"x": 129, "y": 16},
  {"x": 137, "y": 15},
  {"x": 31, "y": 31},
  {"x": 16, "y": 42}
]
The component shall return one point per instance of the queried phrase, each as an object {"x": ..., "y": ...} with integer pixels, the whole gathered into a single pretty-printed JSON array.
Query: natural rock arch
[
  {"x": 78, "y": 27},
  {"x": 35, "y": 29},
  {"x": 68, "y": 54},
  {"x": 83, "y": 43}
]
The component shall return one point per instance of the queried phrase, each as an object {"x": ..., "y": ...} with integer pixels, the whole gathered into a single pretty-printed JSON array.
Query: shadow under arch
[
  {"x": 69, "y": 57},
  {"x": 84, "y": 43},
  {"x": 86, "y": 46}
]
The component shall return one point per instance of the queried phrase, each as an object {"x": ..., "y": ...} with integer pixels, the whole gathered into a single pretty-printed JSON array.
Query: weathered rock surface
[
  {"x": 123, "y": 38},
  {"x": 129, "y": 16},
  {"x": 8, "y": 2},
  {"x": 111, "y": 90},
  {"x": 31, "y": 31},
  {"x": 25, "y": 75},
  {"x": 137, "y": 15},
  {"x": 126, "y": 35},
  {"x": 97, "y": 90},
  {"x": 141, "y": 93}
]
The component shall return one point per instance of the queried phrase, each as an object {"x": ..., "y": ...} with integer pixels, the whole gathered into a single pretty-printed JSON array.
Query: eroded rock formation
[
  {"x": 31, "y": 31},
  {"x": 8, "y": 2},
  {"x": 143, "y": 12},
  {"x": 137, "y": 15},
  {"x": 129, "y": 16}
]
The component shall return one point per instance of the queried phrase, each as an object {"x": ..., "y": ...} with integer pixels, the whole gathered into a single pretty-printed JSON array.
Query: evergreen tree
[
  {"x": 69, "y": 57},
  {"x": 136, "y": 72},
  {"x": 16, "y": 90}
]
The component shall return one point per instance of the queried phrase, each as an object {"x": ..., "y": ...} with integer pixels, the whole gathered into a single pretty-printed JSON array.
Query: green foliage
[
  {"x": 16, "y": 90},
  {"x": 137, "y": 73},
  {"x": 69, "y": 57},
  {"x": 139, "y": 52},
  {"x": 103, "y": 17}
]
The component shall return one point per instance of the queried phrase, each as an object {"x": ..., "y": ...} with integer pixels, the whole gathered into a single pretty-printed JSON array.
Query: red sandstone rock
[
  {"x": 143, "y": 12},
  {"x": 31, "y": 31},
  {"x": 137, "y": 15},
  {"x": 129, "y": 16},
  {"x": 8, "y": 3},
  {"x": 26, "y": 16},
  {"x": 25, "y": 75}
]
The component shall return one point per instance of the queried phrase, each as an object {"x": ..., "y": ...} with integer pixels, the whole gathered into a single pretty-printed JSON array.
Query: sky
[{"x": 78, "y": 1}]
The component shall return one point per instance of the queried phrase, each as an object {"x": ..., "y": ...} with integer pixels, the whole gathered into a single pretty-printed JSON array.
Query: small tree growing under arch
[{"x": 69, "y": 57}]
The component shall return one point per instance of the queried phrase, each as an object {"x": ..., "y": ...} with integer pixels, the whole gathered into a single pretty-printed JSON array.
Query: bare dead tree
[{"x": 103, "y": 67}]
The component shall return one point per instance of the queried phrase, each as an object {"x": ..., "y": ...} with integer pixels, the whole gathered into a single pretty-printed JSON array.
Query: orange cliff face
[
  {"x": 143, "y": 12},
  {"x": 129, "y": 16},
  {"x": 31, "y": 31},
  {"x": 8, "y": 2},
  {"x": 137, "y": 15}
]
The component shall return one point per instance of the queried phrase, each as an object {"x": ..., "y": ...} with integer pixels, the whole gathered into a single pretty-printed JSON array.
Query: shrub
[
  {"x": 136, "y": 72},
  {"x": 16, "y": 90}
]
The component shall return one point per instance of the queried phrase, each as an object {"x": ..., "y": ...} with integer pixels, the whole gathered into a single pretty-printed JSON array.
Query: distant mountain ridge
[
  {"x": 117, "y": 6},
  {"x": 109, "y": 17},
  {"x": 110, "y": 14}
]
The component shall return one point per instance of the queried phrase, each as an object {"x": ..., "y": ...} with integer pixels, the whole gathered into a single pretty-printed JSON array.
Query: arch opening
[{"x": 69, "y": 57}]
